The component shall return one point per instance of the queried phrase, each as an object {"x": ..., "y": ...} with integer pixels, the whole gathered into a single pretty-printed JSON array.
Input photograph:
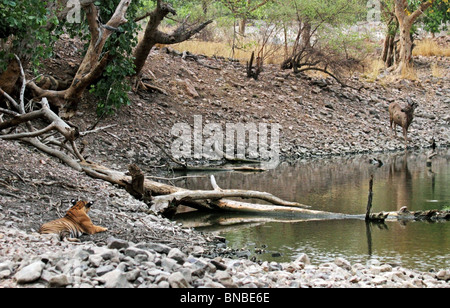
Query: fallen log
[
  {"x": 201, "y": 200},
  {"x": 162, "y": 202}
]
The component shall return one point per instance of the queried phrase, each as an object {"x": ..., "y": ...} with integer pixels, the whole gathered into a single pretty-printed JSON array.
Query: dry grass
[
  {"x": 437, "y": 71},
  {"x": 429, "y": 48},
  {"x": 210, "y": 49},
  {"x": 275, "y": 55},
  {"x": 410, "y": 73},
  {"x": 373, "y": 70}
]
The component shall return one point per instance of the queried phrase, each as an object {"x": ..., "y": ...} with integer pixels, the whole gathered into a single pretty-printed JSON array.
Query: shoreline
[
  {"x": 320, "y": 119},
  {"x": 157, "y": 253},
  {"x": 43, "y": 261}
]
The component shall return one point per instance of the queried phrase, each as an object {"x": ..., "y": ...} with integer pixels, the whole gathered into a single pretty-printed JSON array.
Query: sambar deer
[{"x": 402, "y": 116}]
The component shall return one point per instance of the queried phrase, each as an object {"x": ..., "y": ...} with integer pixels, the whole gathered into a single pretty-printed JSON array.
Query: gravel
[{"x": 33, "y": 260}]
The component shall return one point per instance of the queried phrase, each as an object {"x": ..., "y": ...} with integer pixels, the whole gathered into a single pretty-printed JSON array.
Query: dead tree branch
[
  {"x": 153, "y": 36},
  {"x": 160, "y": 203},
  {"x": 93, "y": 63}
]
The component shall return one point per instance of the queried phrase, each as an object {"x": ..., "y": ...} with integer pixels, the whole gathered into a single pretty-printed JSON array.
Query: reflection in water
[{"x": 341, "y": 185}]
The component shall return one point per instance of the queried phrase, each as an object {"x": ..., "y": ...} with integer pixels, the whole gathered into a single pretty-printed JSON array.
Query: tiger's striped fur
[{"x": 75, "y": 223}]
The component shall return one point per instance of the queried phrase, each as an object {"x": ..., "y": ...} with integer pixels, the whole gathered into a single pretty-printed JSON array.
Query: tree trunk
[
  {"x": 10, "y": 76},
  {"x": 389, "y": 49},
  {"x": 306, "y": 35},
  {"x": 242, "y": 26},
  {"x": 153, "y": 36},
  {"x": 405, "y": 22},
  {"x": 146, "y": 44},
  {"x": 405, "y": 58},
  {"x": 93, "y": 63}
]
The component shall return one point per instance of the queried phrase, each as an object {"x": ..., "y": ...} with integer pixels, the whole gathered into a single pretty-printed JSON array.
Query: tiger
[{"x": 75, "y": 223}]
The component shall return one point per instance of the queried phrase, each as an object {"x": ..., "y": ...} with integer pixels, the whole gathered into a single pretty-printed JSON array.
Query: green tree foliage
[
  {"x": 28, "y": 21},
  {"x": 35, "y": 29},
  {"x": 437, "y": 17},
  {"x": 112, "y": 89}
]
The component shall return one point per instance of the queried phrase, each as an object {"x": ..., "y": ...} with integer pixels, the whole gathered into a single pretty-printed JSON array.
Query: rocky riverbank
[
  {"x": 32, "y": 260},
  {"x": 141, "y": 249},
  {"x": 318, "y": 118}
]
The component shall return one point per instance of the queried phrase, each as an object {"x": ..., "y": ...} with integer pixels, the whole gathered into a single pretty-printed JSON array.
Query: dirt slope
[{"x": 318, "y": 117}]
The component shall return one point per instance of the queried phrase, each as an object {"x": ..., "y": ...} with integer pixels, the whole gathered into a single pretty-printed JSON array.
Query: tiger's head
[{"x": 80, "y": 207}]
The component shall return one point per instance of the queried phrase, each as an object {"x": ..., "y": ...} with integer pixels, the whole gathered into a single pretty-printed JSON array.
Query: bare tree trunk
[
  {"x": 405, "y": 22},
  {"x": 93, "y": 63},
  {"x": 389, "y": 50},
  {"x": 405, "y": 45},
  {"x": 242, "y": 26},
  {"x": 153, "y": 36},
  {"x": 306, "y": 35},
  {"x": 146, "y": 44}
]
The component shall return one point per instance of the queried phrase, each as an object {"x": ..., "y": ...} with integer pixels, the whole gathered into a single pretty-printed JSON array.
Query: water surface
[{"x": 341, "y": 185}]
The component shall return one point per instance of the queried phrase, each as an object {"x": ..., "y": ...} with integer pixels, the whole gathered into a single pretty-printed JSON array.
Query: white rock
[
  {"x": 95, "y": 260},
  {"x": 379, "y": 280},
  {"x": 303, "y": 258},
  {"x": 177, "y": 280},
  {"x": 115, "y": 279},
  {"x": 30, "y": 273},
  {"x": 225, "y": 279},
  {"x": 443, "y": 275},
  {"x": 343, "y": 263},
  {"x": 177, "y": 255},
  {"x": 59, "y": 281}
]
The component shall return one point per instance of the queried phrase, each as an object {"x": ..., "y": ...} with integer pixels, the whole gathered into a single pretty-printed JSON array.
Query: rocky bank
[
  {"x": 32, "y": 260},
  {"x": 318, "y": 118}
]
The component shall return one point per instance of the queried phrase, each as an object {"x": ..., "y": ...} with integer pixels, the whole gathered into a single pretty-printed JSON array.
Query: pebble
[{"x": 123, "y": 264}]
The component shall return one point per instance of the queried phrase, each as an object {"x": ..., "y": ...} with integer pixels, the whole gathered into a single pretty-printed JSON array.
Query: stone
[
  {"x": 133, "y": 252},
  {"x": 177, "y": 255},
  {"x": 190, "y": 89},
  {"x": 114, "y": 243},
  {"x": 30, "y": 273},
  {"x": 81, "y": 254},
  {"x": 6, "y": 266},
  {"x": 109, "y": 254},
  {"x": 59, "y": 281},
  {"x": 177, "y": 280},
  {"x": 102, "y": 270},
  {"x": 379, "y": 280},
  {"x": 197, "y": 251},
  {"x": 343, "y": 263},
  {"x": 214, "y": 285},
  {"x": 303, "y": 258},
  {"x": 160, "y": 248},
  {"x": 95, "y": 260},
  {"x": 133, "y": 275},
  {"x": 169, "y": 264},
  {"x": 443, "y": 275},
  {"x": 5, "y": 274},
  {"x": 115, "y": 279},
  {"x": 225, "y": 279}
]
